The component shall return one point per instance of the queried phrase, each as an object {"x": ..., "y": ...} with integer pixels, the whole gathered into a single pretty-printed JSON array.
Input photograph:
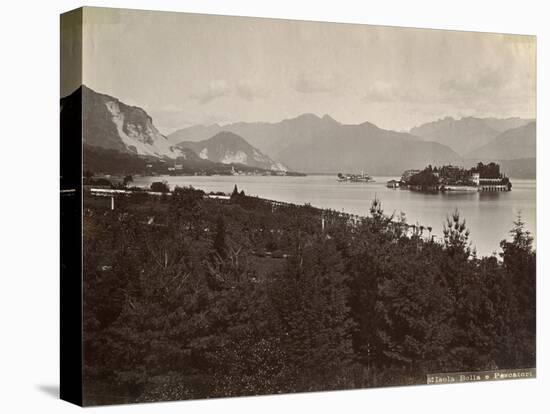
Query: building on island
[{"x": 393, "y": 184}]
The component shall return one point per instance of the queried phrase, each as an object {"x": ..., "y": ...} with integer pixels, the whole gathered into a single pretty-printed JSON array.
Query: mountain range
[
  {"x": 111, "y": 127},
  {"x": 364, "y": 147},
  {"x": 467, "y": 134},
  {"x": 270, "y": 138},
  {"x": 310, "y": 143},
  {"x": 307, "y": 143}
]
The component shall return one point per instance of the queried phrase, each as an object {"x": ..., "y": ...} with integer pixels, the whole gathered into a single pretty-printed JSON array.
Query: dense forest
[{"x": 191, "y": 297}]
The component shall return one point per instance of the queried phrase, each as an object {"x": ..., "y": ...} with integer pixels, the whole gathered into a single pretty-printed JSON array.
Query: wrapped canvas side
[{"x": 71, "y": 209}]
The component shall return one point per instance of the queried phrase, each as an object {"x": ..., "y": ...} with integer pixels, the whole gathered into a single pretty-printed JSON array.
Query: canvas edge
[{"x": 71, "y": 358}]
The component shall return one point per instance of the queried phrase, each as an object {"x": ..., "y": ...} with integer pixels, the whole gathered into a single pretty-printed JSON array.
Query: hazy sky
[{"x": 186, "y": 69}]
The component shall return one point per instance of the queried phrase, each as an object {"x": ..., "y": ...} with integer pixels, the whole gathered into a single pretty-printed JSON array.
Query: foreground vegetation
[{"x": 185, "y": 298}]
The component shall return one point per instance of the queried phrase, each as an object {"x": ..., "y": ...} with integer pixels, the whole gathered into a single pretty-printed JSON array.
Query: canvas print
[{"x": 272, "y": 206}]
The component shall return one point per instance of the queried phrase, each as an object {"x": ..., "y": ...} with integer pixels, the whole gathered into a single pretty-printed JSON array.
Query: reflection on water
[{"x": 489, "y": 216}]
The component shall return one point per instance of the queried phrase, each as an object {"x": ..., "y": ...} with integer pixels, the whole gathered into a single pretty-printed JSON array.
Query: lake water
[{"x": 489, "y": 216}]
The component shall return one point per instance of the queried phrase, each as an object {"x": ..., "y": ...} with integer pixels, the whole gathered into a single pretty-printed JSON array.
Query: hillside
[
  {"x": 109, "y": 123},
  {"x": 519, "y": 168},
  {"x": 511, "y": 144},
  {"x": 226, "y": 147},
  {"x": 352, "y": 148}
]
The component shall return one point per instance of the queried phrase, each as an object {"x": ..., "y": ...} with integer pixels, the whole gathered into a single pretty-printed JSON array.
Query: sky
[{"x": 187, "y": 69}]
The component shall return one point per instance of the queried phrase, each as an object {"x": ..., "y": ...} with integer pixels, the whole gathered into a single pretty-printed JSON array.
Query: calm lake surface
[{"x": 489, "y": 216}]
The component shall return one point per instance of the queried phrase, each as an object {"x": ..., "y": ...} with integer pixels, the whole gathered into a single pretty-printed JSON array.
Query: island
[{"x": 482, "y": 177}]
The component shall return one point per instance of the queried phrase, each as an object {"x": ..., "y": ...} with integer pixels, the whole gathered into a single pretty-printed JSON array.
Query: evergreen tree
[
  {"x": 413, "y": 312},
  {"x": 312, "y": 318},
  {"x": 470, "y": 341},
  {"x": 367, "y": 266},
  {"x": 519, "y": 262},
  {"x": 235, "y": 192}
]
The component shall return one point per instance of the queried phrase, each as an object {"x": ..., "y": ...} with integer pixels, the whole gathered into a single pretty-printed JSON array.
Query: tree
[
  {"x": 127, "y": 180},
  {"x": 519, "y": 261},
  {"x": 521, "y": 238},
  {"x": 469, "y": 348},
  {"x": 491, "y": 170},
  {"x": 160, "y": 187},
  {"x": 235, "y": 192},
  {"x": 412, "y": 310},
  {"x": 367, "y": 267},
  {"x": 456, "y": 236},
  {"x": 378, "y": 222},
  {"x": 312, "y": 318},
  {"x": 425, "y": 179}
]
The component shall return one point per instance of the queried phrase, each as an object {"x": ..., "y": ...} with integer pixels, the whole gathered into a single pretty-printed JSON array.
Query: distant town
[{"x": 166, "y": 167}]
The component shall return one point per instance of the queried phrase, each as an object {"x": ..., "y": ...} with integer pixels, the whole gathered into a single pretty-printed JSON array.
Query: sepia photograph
[{"x": 271, "y": 206}]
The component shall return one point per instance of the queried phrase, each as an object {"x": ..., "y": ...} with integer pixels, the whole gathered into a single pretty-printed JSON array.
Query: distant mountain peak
[
  {"x": 307, "y": 115},
  {"x": 303, "y": 118},
  {"x": 328, "y": 118},
  {"x": 369, "y": 125},
  {"x": 228, "y": 137}
]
